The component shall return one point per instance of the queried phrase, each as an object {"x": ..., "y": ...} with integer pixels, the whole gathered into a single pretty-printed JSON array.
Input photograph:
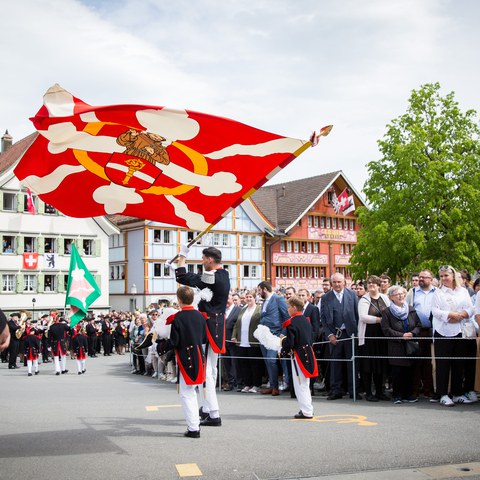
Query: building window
[
  {"x": 8, "y": 283},
  {"x": 216, "y": 239},
  {"x": 297, "y": 272},
  {"x": 253, "y": 241},
  {"x": 289, "y": 246},
  {"x": 278, "y": 272},
  {"x": 309, "y": 247},
  {"x": 291, "y": 272},
  {"x": 50, "y": 245},
  {"x": 49, "y": 210},
  {"x": 88, "y": 247},
  {"x": 25, "y": 202},
  {"x": 315, "y": 272},
  {"x": 296, "y": 247},
  {"x": 225, "y": 240},
  {"x": 162, "y": 236},
  {"x": 30, "y": 244},
  {"x": 323, "y": 272},
  {"x": 340, "y": 223},
  {"x": 328, "y": 222},
  {"x": 50, "y": 283},
  {"x": 322, "y": 222},
  {"x": 315, "y": 247},
  {"x": 67, "y": 246},
  {"x": 309, "y": 221},
  {"x": 8, "y": 244},
  {"x": 10, "y": 202},
  {"x": 315, "y": 222},
  {"x": 334, "y": 223},
  {"x": 352, "y": 224},
  {"x": 284, "y": 272},
  {"x": 244, "y": 240},
  {"x": 342, "y": 249},
  {"x": 330, "y": 196},
  {"x": 29, "y": 283},
  {"x": 282, "y": 246}
]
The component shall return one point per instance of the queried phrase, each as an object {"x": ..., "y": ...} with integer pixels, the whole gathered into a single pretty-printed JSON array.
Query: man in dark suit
[
  {"x": 339, "y": 318},
  {"x": 274, "y": 313},
  {"x": 229, "y": 363}
]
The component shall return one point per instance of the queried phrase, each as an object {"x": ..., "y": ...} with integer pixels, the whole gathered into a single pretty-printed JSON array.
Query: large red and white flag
[{"x": 174, "y": 166}]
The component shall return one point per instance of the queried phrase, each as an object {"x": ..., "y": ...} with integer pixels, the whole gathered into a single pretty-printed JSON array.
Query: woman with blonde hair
[
  {"x": 451, "y": 305},
  {"x": 250, "y": 359}
]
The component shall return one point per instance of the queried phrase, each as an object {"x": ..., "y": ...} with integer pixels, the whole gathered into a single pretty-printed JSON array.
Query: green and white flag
[{"x": 82, "y": 290}]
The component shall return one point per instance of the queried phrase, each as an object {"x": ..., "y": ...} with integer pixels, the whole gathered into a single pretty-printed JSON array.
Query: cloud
[{"x": 282, "y": 66}]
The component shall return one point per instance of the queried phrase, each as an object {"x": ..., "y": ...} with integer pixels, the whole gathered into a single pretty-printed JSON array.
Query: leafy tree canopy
[{"x": 424, "y": 193}]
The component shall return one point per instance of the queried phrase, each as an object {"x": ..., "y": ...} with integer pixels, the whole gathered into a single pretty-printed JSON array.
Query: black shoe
[
  {"x": 83, "y": 371},
  {"x": 64, "y": 371},
  {"x": 202, "y": 414},
  {"x": 58, "y": 373},
  {"x": 301, "y": 415},
  {"x": 12, "y": 367},
  {"x": 211, "y": 422},
  {"x": 29, "y": 374},
  {"x": 335, "y": 396},
  {"x": 36, "y": 373},
  {"x": 79, "y": 373},
  {"x": 190, "y": 434},
  {"x": 371, "y": 398}
]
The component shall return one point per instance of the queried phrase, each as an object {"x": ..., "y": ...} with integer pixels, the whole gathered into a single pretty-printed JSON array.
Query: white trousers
[
  {"x": 208, "y": 400},
  {"x": 81, "y": 365},
  {"x": 188, "y": 399},
  {"x": 56, "y": 363},
  {"x": 301, "y": 384},
  {"x": 30, "y": 363}
]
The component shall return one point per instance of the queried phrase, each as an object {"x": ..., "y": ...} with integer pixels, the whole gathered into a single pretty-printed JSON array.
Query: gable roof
[
  {"x": 12, "y": 155},
  {"x": 285, "y": 203}
]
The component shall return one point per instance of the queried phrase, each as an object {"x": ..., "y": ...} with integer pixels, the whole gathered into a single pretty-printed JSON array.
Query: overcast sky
[{"x": 285, "y": 66}]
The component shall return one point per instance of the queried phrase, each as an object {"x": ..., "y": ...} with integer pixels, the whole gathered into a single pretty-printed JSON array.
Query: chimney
[{"x": 7, "y": 141}]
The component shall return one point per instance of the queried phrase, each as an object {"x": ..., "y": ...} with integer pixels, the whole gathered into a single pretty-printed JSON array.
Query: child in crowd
[{"x": 298, "y": 344}]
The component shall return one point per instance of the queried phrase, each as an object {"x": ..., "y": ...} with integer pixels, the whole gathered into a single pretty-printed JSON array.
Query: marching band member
[
  {"x": 214, "y": 286},
  {"x": 80, "y": 346},
  {"x": 298, "y": 344},
  {"x": 187, "y": 336},
  {"x": 32, "y": 348},
  {"x": 57, "y": 332}
]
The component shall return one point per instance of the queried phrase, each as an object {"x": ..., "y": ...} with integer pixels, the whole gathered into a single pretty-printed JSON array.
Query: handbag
[
  {"x": 412, "y": 348},
  {"x": 468, "y": 330}
]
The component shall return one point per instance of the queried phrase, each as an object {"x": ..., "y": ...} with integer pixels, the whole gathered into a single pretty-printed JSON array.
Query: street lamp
[
  {"x": 33, "y": 308},
  {"x": 133, "y": 292}
]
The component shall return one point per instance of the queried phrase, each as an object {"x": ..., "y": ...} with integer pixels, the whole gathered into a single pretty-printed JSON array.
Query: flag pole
[{"x": 191, "y": 242}]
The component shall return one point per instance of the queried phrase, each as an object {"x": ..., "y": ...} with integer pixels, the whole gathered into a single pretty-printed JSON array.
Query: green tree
[{"x": 424, "y": 193}]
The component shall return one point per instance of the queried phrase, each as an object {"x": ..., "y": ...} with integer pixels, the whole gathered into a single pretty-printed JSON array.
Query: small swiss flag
[
  {"x": 30, "y": 260},
  {"x": 30, "y": 203}
]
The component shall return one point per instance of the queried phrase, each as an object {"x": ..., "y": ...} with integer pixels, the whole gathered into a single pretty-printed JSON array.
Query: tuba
[{"x": 22, "y": 323}]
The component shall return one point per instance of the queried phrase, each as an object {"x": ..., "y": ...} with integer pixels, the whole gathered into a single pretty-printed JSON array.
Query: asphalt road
[{"x": 109, "y": 424}]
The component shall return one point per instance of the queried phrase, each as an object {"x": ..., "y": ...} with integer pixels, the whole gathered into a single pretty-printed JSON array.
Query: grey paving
[{"x": 110, "y": 424}]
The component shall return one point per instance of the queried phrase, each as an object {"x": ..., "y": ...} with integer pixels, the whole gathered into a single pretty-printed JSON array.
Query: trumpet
[{"x": 47, "y": 328}]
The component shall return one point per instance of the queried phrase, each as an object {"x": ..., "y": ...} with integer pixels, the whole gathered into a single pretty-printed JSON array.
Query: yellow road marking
[
  {"x": 360, "y": 419},
  {"x": 156, "y": 408},
  {"x": 188, "y": 470}
]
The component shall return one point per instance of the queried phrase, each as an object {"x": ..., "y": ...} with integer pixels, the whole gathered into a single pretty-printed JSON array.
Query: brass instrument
[
  {"x": 52, "y": 319},
  {"x": 22, "y": 323}
]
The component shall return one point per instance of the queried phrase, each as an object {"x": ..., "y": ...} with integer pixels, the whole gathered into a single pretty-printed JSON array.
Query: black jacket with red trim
[
  {"x": 187, "y": 336},
  {"x": 298, "y": 340}
]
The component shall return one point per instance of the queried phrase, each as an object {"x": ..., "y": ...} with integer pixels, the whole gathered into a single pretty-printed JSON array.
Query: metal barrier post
[{"x": 354, "y": 373}]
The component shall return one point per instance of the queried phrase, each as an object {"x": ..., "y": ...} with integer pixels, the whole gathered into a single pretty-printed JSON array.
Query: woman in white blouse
[
  {"x": 451, "y": 305},
  {"x": 250, "y": 359}
]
